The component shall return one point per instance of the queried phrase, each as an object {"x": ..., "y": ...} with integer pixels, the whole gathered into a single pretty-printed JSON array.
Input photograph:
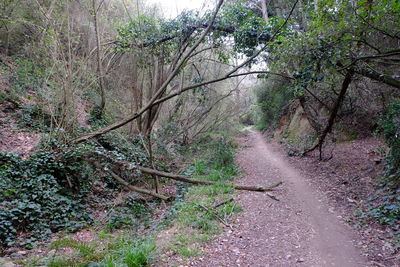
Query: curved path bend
[{"x": 299, "y": 230}]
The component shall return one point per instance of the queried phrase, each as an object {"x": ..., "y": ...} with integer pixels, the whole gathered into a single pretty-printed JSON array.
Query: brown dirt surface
[
  {"x": 302, "y": 229},
  {"x": 82, "y": 116},
  {"x": 348, "y": 181},
  {"x": 14, "y": 139}
]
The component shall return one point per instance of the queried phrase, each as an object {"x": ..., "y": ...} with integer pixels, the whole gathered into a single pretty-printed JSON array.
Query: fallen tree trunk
[
  {"x": 137, "y": 189},
  {"x": 131, "y": 187},
  {"x": 185, "y": 179},
  {"x": 195, "y": 181}
]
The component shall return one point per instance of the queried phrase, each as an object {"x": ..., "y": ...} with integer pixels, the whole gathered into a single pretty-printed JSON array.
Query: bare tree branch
[
  {"x": 155, "y": 99},
  {"x": 160, "y": 90}
]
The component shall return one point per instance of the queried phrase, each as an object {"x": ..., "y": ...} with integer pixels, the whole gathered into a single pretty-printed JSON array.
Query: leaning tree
[{"x": 164, "y": 49}]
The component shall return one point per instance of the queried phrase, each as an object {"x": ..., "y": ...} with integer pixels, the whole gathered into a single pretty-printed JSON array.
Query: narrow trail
[{"x": 299, "y": 230}]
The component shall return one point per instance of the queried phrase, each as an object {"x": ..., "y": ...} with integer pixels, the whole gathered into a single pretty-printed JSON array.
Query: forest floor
[
  {"x": 305, "y": 228},
  {"x": 14, "y": 139}
]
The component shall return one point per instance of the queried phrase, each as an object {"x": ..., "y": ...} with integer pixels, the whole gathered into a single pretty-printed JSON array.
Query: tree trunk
[
  {"x": 99, "y": 59},
  {"x": 380, "y": 77},
  {"x": 177, "y": 67},
  {"x": 131, "y": 187},
  {"x": 338, "y": 103},
  {"x": 154, "y": 176},
  {"x": 264, "y": 8},
  {"x": 195, "y": 181}
]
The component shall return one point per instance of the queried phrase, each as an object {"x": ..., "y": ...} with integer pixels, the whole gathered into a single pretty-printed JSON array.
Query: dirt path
[{"x": 299, "y": 230}]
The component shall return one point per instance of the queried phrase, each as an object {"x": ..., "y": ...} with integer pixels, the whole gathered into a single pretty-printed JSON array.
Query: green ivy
[
  {"x": 26, "y": 76},
  {"x": 43, "y": 194},
  {"x": 97, "y": 118},
  {"x": 32, "y": 116},
  {"x": 387, "y": 209},
  {"x": 391, "y": 132}
]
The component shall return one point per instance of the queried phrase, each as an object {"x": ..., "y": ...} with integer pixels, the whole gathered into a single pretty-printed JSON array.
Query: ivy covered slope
[
  {"x": 56, "y": 188},
  {"x": 387, "y": 211},
  {"x": 46, "y": 185},
  {"x": 43, "y": 194}
]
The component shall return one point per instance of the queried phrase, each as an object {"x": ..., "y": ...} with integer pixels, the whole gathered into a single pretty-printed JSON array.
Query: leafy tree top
[{"x": 236, "y": 24}]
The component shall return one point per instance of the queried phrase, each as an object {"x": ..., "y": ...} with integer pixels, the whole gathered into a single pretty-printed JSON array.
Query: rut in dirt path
[{"x": 296, "y": 231}]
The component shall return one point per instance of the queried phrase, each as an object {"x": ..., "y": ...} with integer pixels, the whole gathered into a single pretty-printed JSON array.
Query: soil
[
  {"x": 14, "y": 139},
  {"x": 348, "y": 180},
  {"x": 304, "y": 228}
]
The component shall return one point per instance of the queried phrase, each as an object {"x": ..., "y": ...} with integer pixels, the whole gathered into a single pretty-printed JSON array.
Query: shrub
[
  {"x": 391, "y": 131},
  {"x": 387, "y": 209},
  {"x": 33, "y": 117},
  {"x": 223, "y": 153},
  {"x": 272, "y": 96},
  {"x": 43, "y": 194}
]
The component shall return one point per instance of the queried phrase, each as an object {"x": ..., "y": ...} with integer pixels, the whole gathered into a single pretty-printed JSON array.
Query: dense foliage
[
  {"x": 273, "y": 95},
  {"x": 387, "y": 208},
  {"x": 330, "y": 40},
  {"x": 391, "y": 132},
  {"x": 52, "y": 190},
  {"x": 85, "y": 68},
  {"x": 42, "y": 194}
]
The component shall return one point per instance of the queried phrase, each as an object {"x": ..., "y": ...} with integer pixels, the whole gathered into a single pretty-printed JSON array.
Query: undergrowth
[
  {"x": 131, "y": 214},
  {"x": 42, "y": 194},
  {"x": 26, "y": 76},
  {"x": 57, "y": 188},
  {"x": 195, "y": 221},
  {"x": 124, "y": 250},
  {"x": 384, "y": 204},
  {"x": 386, "y": 201},
  {"x": 32, "y": 117},
  {"x": 122, "y": 238}
]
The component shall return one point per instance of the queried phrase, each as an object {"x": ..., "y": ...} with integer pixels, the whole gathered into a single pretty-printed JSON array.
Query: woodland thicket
[{"x": 112, "y": 86}]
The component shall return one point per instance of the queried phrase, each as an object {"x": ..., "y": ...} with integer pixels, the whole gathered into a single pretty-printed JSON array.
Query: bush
[
  {"x": 33, "y": 117},
  {"x": 387, "y": 209},
  {"x": 272, "y": 96},
  {"x": 391, "y": 131},
  {"x": 27, "y": 76},
  {"x": 223, "y": 155},
  {"x": 43, "y": 194}
]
